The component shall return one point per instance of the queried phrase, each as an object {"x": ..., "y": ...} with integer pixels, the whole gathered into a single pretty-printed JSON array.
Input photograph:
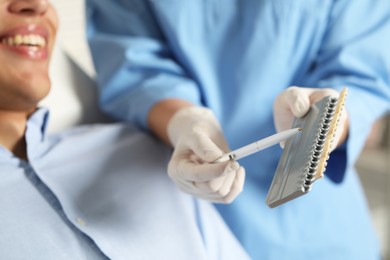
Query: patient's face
[{"x": 27, "y": 34}]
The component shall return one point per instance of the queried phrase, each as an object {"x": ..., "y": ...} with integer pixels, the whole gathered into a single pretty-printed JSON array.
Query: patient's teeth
[
  {"x": 25, "y": 38},
  {"x": 41, "y": 41},
  {"x": 18, "y": 39},
  {"x": 30, "y": 40}
]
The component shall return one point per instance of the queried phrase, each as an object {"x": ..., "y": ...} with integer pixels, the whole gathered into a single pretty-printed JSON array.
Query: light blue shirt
[
  {"x": 102, "y": 192},
  {"x": 235, "y": 57}
]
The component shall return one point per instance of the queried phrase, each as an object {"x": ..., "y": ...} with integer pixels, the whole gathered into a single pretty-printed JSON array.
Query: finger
[
  {"x": 316, "y": 94},
  {"x": 210, "y": 187},
  {"x": 235, "y": 189},
  {"x": 237, "y": 186},
  {"x": 204, "y": 147},
  {"x": 289, "y": 104},
  {"x": 217, "y": 188},
  {"x": 227, "y": 184},
  {"x": 188, "y": 170},
  {"x": 219, "y": 185},
  {"x": 191, "y": 189},
  {"x": 296, "y": 100}
]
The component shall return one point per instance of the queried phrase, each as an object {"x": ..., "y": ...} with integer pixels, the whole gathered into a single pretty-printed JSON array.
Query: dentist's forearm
[{"x": 161, "y": 113}]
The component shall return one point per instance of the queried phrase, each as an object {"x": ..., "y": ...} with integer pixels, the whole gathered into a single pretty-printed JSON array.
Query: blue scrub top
[{"x": 235, "y": 57}]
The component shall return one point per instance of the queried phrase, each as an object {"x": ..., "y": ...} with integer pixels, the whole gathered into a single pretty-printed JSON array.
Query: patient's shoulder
[
  {"x": 112, "y": 136},
  {"x": 102, "y": 131}
]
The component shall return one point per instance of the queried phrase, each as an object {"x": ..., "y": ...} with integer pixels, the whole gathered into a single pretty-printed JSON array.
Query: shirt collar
[
  {"x": 35, "y": 135},
  {"x": 37, "y": 124},
  {"x": 36, "y": 130}
]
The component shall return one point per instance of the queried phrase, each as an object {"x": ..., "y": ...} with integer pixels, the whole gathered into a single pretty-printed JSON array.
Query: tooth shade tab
[{"x": 29, "y": 39}]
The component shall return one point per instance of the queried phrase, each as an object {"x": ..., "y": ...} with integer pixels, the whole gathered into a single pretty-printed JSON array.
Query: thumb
[
  {"x": 293, "y": 102},
  {"x": 205, "y": 148},
  {"x": 296, "y": 100}
]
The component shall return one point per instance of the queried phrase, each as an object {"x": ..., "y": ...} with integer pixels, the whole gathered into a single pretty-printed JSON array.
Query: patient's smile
[
  {"x": 33, "y": 40},
  {"x": 29, "y": 41},
  {"x": 27, "y": 34}
]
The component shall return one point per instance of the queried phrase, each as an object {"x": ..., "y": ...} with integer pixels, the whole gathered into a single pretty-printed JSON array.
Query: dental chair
[{"x": 73, "y": 96}]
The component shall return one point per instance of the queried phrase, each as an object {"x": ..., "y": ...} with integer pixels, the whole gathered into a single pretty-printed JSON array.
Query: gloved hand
[
  {"x": 296, "y": 101},
  {"x": 198, "y": 140}
]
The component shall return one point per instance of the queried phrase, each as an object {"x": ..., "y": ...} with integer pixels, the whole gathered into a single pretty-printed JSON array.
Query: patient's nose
[{"x": 29, "y": 7}]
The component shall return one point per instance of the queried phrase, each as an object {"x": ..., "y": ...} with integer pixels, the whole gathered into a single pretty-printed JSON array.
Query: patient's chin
[{"x": 25, "y": 98}]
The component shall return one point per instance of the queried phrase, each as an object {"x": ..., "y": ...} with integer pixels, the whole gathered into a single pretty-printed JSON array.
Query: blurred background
[
  {"x": 73, "y": 58},
  {"x": 374, "y": 170}
]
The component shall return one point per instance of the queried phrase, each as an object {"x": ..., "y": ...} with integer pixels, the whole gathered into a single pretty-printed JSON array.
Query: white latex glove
[
  {"x": 198, "y": 140},
  {"x": 296, "y": 101}
]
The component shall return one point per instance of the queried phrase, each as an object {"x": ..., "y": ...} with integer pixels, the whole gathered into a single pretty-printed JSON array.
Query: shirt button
[{"x": 80, "y": 221}]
